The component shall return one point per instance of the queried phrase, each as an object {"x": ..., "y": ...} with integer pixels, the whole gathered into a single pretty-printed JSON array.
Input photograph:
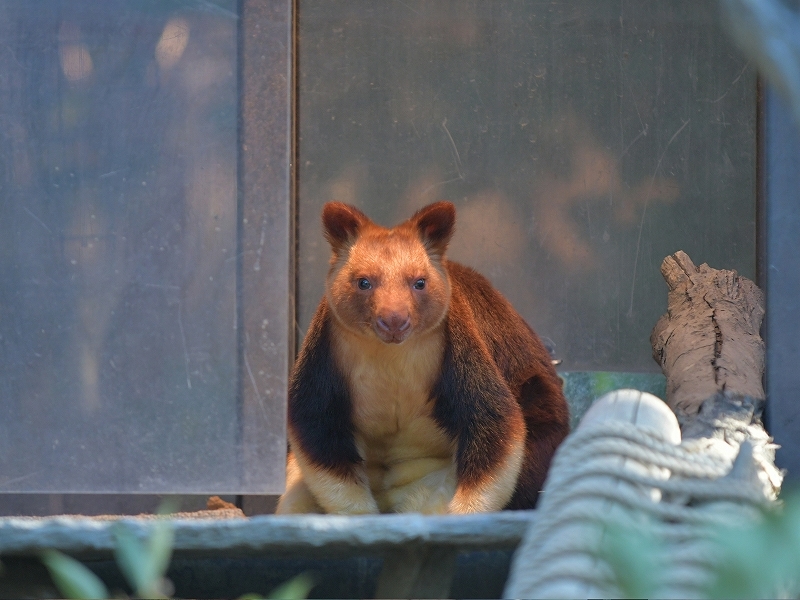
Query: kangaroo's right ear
[{"x": 341, "y": 224}]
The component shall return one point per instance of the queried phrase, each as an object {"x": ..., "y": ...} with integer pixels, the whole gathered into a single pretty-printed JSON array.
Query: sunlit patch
[
  {"x": 76, "y": 62},
  {"x": 90, "y": 377},
  {"x": 172, "y": 42}
]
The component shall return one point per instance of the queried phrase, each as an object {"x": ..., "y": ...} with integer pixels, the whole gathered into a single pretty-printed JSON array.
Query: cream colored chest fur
[{"x": 406, "y": 455}]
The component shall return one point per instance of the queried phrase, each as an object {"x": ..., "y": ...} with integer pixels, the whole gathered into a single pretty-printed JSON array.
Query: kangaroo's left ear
[{"x": 435, "y": 224}]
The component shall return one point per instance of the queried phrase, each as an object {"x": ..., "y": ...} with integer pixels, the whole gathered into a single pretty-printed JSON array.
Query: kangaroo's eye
[
  {"x": 363, "y": 283},
  {"x": 419, "y": 284}
]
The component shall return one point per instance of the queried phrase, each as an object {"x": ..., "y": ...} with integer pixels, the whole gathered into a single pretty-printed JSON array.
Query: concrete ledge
[
  {"x": 301, "y": 535},
  {"x": 416, "y": 556}
]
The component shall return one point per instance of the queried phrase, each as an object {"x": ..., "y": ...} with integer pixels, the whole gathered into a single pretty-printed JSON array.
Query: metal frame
[
  {"x": 781, "y": 189},
  {"x": 266, "y": 224},
  {"x": 265, "y": 255}
]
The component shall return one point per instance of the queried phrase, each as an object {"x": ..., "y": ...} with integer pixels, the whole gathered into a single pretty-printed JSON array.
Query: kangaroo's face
[{"x": 388, "y": 283}]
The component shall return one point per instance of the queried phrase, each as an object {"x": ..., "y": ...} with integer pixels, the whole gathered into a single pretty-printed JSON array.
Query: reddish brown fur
[
  {"x": 378, "y": 251},
  {"x": 526, "y": 366},
  {"x": 391, "y": 294}
]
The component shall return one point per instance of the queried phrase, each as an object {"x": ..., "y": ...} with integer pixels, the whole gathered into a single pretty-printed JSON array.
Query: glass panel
[
  {"x": 581, "y": 141},
  {"x": 119, "y": 368}
]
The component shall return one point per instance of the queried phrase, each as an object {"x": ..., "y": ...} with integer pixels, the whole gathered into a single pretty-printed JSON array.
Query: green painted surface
[{"x": 582, "y": 388}]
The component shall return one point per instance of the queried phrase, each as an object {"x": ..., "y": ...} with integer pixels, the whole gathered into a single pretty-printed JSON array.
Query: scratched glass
[
  {"x": 118, "y": 249},
  {"x": 582, "y": 142}
]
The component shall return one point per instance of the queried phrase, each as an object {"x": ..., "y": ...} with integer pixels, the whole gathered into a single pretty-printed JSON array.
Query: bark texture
[
  {"x": 710, "y": 350},
  {"x": 708, "y": 343}
]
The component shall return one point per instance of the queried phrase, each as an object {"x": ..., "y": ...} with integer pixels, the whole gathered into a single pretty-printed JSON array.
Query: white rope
[
  {"x": 639, "y": 443},
  {"x": 613, "y": 475}
]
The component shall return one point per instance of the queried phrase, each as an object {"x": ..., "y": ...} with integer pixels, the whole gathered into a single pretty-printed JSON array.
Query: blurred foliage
[
  {"x": 296, "y": 588},
  {"x": 72, "y": 578},
  {"x": 751, "y": 560},
  {"x": 144, "y": 563},
  {"x": 761, "y": 560},
  {"x": 767, "y": 32},
  {"x": 633, "y": 555}
]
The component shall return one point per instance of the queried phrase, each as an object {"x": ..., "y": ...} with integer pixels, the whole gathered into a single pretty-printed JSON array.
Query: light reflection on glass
[
  {"x": 581, "y": 141},
  {"x": 172, "y": 42},
  {"x": 118, "y": 339}
]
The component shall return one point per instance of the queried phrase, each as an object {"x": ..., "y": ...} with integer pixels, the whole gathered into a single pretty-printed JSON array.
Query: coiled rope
[{"x": 620, "y": 475}]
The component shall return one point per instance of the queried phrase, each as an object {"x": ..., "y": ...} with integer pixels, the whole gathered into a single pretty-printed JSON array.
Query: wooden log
[
  {"x": 710, "y": 350},
  {"x": 708, "y": 342}
]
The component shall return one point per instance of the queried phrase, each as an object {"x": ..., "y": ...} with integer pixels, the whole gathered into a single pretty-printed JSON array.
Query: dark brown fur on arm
[
  {"x": 527, "y": 371},
  {"x": 547, "y": 422},
  {"x": 473, "y": 403}
]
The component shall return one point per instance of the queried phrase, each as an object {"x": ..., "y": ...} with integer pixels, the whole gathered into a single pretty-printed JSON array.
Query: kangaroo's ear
[
  {"x": 435, "y": 224},
  {"x": 341, "y": 224}
]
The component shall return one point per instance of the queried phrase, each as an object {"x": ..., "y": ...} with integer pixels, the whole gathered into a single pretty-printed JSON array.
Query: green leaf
[
  {"x": 158, "y": 554},
  {"x": 760, "y": 559},
  {"x": 71, "y": 577},
  {"x": 144, "y": 563},
  {"x": 168, "y": 507},
  {"x": 159, "y": 544},
  {"x": 632, "y": 555},
  {"x": 130, "y": 555},
  {"x": 296, "y": 588}
]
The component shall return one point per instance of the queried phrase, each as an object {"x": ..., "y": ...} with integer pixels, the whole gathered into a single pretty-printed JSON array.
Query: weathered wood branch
[
  {"x": 708, "y": 342},
  {"x": 710, "y": 350}
]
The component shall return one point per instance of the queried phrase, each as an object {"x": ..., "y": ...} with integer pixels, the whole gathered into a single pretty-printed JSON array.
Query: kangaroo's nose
[{"x": 394, "y": 323}]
